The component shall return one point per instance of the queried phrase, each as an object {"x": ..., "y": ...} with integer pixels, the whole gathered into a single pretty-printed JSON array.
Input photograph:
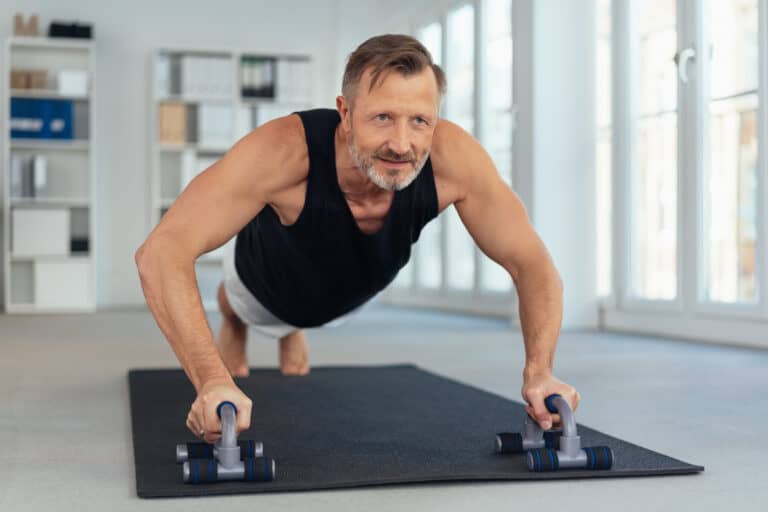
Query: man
[{"x": 325, "y": 205}]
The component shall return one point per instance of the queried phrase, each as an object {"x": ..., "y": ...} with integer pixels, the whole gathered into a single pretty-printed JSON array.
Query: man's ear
[{"x": 342, "y": 105}]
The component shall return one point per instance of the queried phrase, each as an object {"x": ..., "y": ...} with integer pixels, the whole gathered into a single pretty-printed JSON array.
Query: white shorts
[{"x": 250, "y": 310}]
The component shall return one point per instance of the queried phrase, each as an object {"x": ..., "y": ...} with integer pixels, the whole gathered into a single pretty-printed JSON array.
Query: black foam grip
[
  {"x": 543, "y": 459},
  {"x": 203, "y": 471},
  {"x": 509, "y": 442},
  {"x": 552, "y": 439},
  {"x": 205, "y": 450},
  {"x": 247, "y": 449},
  {"x": 258, "y": 469},
  {"x": 199, "y": 451},
  {"x": 599, "y": 457}
]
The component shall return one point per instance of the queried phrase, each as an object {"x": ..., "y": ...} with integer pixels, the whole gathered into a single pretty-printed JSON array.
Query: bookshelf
[
  {"x": 202, "y": 102},
  {"x": 48, "y": 175}
]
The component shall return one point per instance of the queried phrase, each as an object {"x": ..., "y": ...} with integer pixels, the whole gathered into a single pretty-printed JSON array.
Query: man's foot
[
  {"x": 232, "y": 338},
  {"x": 294, "y": 357}
]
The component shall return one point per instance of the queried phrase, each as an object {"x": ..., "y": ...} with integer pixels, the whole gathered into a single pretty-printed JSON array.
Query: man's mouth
[{"x": 395, "y": 163}]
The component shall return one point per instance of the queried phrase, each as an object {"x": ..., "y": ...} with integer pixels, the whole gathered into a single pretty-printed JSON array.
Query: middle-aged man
[{"x": 325, "y": 205}]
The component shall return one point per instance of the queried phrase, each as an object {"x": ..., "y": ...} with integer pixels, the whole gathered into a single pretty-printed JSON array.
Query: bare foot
[
  {"x": 232, "y": 338},
  {"x": 294, "y": 357}
]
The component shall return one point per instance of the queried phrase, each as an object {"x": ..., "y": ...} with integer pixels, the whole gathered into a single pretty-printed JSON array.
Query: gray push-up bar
[
  {"x": 229, "y": 461},
  {"x": 554, "y": 450}
]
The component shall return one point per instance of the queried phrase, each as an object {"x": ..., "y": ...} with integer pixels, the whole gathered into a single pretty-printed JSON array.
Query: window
[
  {"x": 604, "y": 214},
  {"x": 496, "y": 135},
  {"x": 446, "y": 264},
  {"x": 459, "y": 108},
  {"x": 730, "y": 174},
  {"x": 653, "y": 184}
]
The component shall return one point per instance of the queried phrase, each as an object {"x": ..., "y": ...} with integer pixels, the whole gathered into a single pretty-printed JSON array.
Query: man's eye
[
  {"x": 382, "y": 117},
  {"x": 421, "y": 120}
]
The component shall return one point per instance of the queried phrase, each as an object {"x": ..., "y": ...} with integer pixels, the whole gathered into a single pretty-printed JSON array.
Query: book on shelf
[
  {"x": 162, "y": 75},
  {"x": 172, "y": 123},
  {"x": 293, "y": 81},
  {"x": 33, "y": 118},
  {"x": 191, "y": 76},
  {"x": 245, "y": 120},
  {"x": 257, "y": 77},
  {"x": 81, "y": 120},
  {"x": 204, "y": 76},
  {"x": 29, "y": 176},
  {"x": 214, "y": 125}
]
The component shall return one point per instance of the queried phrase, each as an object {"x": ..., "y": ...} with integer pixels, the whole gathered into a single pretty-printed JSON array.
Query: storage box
[
  {"x": 38, "y": 79},
  {"x": 63, "y": 284},
  {"x": 19, "y": 79},
  {"x": 40, "y": 231},
  {"x": 73, "y": 82}
]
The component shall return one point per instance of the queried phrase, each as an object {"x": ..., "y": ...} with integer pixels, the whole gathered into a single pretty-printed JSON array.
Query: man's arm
[
  {"x": 497, "y": 221},
  {"x": 210, "y": 211}
]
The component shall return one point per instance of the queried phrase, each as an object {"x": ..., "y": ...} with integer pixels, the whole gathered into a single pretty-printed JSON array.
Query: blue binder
[{"x": 33, "y": 118}]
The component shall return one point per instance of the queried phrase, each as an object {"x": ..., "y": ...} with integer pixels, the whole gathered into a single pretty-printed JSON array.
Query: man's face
[{"x": 389, "y": 130}]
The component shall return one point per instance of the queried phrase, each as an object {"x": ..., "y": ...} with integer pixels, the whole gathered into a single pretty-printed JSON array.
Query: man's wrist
[
  {"x": 219, "y": 375},
  {"x": 533, "y": 369}
]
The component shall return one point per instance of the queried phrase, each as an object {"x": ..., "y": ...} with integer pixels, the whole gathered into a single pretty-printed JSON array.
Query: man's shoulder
[
  {"x": 452, "y": 154},
  {"x": 278, "y": 150}
]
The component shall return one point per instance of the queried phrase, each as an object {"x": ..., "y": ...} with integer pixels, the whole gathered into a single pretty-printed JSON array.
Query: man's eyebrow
[{"x": 373, "y": 112}]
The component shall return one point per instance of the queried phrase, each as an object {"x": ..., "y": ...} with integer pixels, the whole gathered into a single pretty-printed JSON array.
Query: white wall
[
  {"x": 555, "y": 140},
  {"x": 125, "y": 34}
]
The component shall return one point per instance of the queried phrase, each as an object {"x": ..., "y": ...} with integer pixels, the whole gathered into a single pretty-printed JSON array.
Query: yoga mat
[{"x": 357, "y": 426}]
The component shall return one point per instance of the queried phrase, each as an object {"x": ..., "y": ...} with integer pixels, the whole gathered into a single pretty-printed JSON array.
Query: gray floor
[{"x": 64, "y": 418}]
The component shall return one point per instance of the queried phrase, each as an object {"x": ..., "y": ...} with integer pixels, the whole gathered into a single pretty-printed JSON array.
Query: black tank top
[{"x": 323, "y": 265}]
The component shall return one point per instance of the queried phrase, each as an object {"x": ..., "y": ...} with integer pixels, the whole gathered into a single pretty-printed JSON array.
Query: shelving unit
[
  {"x": 214, "y": 98},
  {"x": 49, "y": 257}
]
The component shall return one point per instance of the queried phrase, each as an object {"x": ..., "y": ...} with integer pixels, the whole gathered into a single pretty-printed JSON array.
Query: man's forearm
[
  {"x": 540, "y": 293},
  {"x": 173, "y": 297}
]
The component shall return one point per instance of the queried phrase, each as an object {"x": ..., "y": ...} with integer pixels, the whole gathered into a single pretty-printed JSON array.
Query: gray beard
[{"x": 367, "y": 167}]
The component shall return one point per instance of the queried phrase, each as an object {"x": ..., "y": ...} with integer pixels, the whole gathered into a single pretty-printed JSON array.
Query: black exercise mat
[{"x": 357, "y": 426}]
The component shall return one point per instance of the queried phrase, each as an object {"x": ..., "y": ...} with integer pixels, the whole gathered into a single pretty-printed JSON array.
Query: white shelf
[
  {"x": 74, "y": 202},
  {"x": 195, "y": 99},
  {"x": 46, "y": 94},
  {"x": 51, "y": 43},
  {"x": 64, "y": 283},
  {"x": 69, "y": 257},
  {"x": 258, "y": 101},
  {"x": 43, "y": 144},
  {"x": 32, "y": 309}
]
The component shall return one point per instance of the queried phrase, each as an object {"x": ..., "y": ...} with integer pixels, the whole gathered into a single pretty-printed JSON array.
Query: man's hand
[
  {"x": 539, "y": 385},
  {"x": 202, "y": 416}
]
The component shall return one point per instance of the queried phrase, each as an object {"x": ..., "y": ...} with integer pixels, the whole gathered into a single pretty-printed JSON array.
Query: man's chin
[{"x": 387, "y": 182}]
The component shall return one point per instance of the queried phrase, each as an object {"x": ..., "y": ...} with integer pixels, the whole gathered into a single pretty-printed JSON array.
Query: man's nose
[{"x": 399, "y": 142}]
